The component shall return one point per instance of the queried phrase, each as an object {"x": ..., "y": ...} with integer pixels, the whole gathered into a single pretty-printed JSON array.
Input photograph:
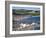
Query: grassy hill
[{"x": 28, "y": 12}]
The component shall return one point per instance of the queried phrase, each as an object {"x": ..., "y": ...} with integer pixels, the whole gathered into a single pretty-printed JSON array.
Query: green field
[{"x": 28, "y": 12}]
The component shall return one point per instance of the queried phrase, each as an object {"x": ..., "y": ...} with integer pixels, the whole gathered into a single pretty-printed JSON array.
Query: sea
[{"x": 29, "y": 19}]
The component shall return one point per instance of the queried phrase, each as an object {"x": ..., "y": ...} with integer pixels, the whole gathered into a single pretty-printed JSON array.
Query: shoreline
[{"x": 35, "y": 16}]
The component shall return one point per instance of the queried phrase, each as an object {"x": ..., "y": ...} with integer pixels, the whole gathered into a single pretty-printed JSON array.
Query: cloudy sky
[{"x": 26, "y": 7}]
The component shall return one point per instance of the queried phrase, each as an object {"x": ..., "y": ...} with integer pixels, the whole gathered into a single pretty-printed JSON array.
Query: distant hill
[{"x": 29, "y": 12}]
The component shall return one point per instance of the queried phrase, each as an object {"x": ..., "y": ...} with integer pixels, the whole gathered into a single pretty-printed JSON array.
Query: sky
[{"x": 26, "y": 7}]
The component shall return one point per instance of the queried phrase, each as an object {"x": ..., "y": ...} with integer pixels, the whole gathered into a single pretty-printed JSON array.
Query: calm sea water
[{"x": 30, "y": 19}]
